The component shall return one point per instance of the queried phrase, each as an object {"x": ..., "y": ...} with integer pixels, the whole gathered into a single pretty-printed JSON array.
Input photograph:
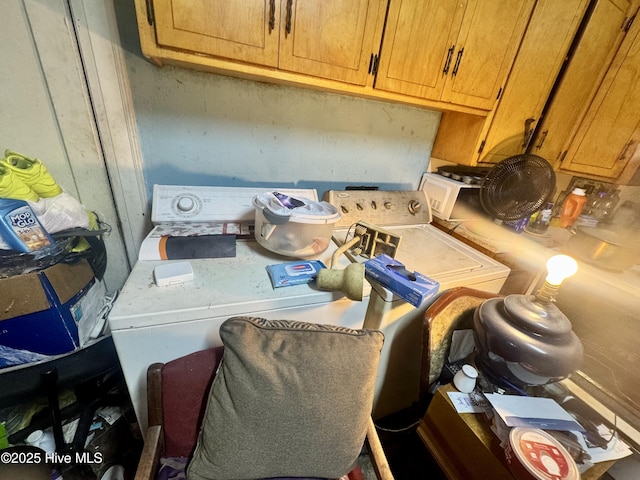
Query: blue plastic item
[
  {"x": 20, "y": 228},
  {"x": 294, "y": 273}
]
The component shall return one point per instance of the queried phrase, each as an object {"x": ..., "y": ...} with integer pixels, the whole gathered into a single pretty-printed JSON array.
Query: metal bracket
[{"x": 375, "y": 241}]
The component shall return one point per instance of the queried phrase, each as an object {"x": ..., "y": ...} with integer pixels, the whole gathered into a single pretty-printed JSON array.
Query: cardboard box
[
  {"x": 51, "y": 311},
  {"x": 413, "y": 287}
]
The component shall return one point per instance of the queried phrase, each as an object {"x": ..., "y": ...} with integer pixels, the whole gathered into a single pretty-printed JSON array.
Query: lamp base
[{"x": 349, "y": 280}]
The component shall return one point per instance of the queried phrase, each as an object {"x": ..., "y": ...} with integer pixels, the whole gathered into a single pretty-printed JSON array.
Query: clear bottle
[
  {"x": 539, "y": 222},
  {"x": 572, "y": 207}
]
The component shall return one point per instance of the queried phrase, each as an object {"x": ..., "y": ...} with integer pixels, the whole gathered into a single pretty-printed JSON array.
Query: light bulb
[{"x": 559, "y": 268}]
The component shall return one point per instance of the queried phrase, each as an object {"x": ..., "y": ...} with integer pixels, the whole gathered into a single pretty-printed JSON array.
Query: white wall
[{"x": 205, "y": 129}]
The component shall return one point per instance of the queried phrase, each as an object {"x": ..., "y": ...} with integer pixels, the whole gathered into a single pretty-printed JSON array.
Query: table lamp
[{"x": 525, "y": 340}]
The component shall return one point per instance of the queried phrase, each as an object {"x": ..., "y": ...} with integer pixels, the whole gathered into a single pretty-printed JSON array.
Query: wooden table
[{"x": 464, "y": 445}]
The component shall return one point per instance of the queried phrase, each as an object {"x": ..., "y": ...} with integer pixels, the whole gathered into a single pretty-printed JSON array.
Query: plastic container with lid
[
  {"x": 533, "y": 454},
  {"x": 572, "y": 207},
  {"x": 293, "y": 227}
]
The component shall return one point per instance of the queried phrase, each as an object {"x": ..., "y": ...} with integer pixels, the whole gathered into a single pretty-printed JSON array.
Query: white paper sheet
[{"x": 532, "y": 412}]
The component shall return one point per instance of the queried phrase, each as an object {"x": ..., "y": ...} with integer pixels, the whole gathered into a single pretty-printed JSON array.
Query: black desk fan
[{"x": 517, "y": 187}]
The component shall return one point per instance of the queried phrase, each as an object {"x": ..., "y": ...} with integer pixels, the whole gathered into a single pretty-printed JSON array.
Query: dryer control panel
[
  {"x": 202, "y": 204},
  {"x": 380, "y": 207}
]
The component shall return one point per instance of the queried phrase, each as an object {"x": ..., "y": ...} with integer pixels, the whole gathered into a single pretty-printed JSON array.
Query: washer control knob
[
  {"x": 185, "y": 204},
  {"x": 414, "y": 206},
  {"x": 387, "y": 205}
]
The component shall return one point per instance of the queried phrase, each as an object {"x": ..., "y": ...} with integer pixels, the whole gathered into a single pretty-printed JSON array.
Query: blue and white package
[
  {"x": 294, "y": 273},
  {"x": 413, "y": 287}
]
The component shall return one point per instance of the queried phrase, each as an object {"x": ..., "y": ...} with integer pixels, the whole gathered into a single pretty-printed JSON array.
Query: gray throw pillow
[{"x": 290, "y": 399}]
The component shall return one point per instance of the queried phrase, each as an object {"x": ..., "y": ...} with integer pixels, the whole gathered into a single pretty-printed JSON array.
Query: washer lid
[{"x": 434, "y": 253}]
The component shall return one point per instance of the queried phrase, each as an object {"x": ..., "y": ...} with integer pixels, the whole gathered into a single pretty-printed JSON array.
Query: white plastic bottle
[{"x": 20, "y": 228}]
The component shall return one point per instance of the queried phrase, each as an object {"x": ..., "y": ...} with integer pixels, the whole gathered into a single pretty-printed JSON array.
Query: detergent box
[
  {"x": 51, "y": 311},
  {"x": 413, "y": 287}
]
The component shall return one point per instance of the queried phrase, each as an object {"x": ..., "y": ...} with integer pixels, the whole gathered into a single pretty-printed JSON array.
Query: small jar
[
  {"x": 43, "y": 440},
  {"x": 465, "y": 379}
]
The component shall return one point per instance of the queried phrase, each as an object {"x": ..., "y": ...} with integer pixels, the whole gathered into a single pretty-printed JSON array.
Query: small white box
[{"x": 172, "y": 273}]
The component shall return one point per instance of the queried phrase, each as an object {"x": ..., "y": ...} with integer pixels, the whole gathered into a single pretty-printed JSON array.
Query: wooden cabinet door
[
  {"x": 591, "y": 58},
  {"x": 418, "y": 46},
  {"x": 244, "y": 30},
  {"x": 486, "y": 47},
  {"x": 455, "y": 51},
  {"x": 541, "y": 56},
  {"x": 332, "y": 39},
  {"x": 610, "y": 131}
]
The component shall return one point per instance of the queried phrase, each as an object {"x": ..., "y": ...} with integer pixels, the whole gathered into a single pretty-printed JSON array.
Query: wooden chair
[
  {"x": 177, "y": 397},
  {"x": 452, "y": 310}
]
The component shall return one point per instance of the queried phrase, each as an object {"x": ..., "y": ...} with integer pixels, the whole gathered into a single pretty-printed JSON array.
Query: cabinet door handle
[
  {"x": 457, "y": 65},
  {"x": 272, "y": 15},
  {"x": 543, "y": 137},
  {"x": 287, "y": 28},
  {"x": 528, "y": 131},
  {"x": 373, "y": 64},
  {"x": 150, "y": 15},
  {"x": 623, "y": 155},
  {"x": 447, "y": 62}
]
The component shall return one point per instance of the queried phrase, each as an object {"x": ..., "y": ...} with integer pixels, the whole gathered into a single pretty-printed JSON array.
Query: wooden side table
[{"x": 464, "y": 445}]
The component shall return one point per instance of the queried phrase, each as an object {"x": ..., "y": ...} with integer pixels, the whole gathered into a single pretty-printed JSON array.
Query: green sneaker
[
  {"x": 33, "y": 173},
  {"x": 12, "y": 187}
]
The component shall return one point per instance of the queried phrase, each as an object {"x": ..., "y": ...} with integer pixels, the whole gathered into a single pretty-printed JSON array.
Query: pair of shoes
[
  {"x": 24, "y": 178},
  {"x": 12, "y": 187}
]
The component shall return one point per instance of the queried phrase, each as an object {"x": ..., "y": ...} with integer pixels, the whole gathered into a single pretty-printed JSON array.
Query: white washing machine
[
  {"x": 422, "y": 248},
  {"x": 158, "y": 324}
]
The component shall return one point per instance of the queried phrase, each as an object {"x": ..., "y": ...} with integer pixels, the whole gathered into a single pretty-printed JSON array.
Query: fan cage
[{"x": 517, "y": 187}]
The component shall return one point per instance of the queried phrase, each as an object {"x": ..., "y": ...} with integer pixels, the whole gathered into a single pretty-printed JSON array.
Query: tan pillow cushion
[{"x": 289, "y": 399}]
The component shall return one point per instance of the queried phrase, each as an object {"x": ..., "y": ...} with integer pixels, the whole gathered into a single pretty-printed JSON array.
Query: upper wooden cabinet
[
  {"x": 470, "y": 139},
  {"x": 442, "y": 54},
  {"x": 244, "y": 30},
  {"x": 598, "y": 43},
  {"x": 605, "y": 144},
  {"x": 333, "y": 40},
  {"x": 576, "y": 130},
  {"x": 572, "y": 96},
  {"x": 454, "y": 51},
  {"x": 541, "y": 57}
]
